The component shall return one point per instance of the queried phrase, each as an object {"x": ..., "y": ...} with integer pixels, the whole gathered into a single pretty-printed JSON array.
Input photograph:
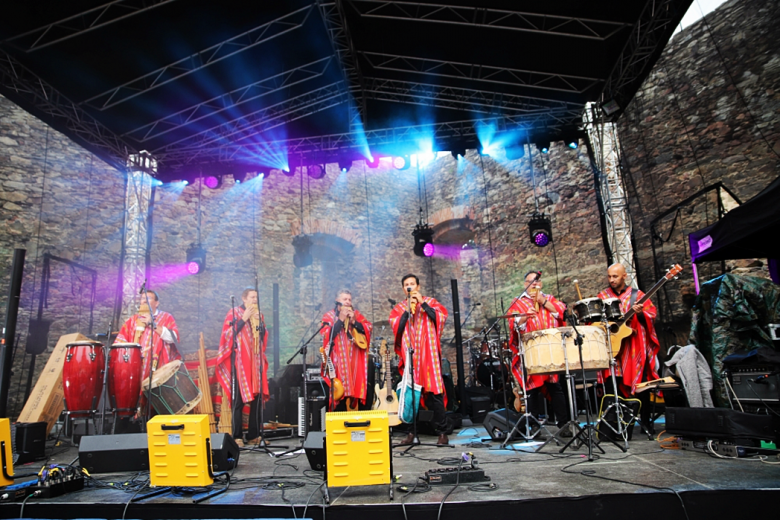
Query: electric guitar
[
  {"x": 619, "y": 330},
  {"x": 386, "y": 398},
  {"x": 335, "y": 382}
]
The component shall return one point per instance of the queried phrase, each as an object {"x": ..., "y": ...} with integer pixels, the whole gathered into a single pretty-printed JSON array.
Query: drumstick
[{"x": 577, "y": 286}]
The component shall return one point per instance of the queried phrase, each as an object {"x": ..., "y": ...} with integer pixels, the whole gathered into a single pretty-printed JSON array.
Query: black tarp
[{"x": 750, "y": 231}]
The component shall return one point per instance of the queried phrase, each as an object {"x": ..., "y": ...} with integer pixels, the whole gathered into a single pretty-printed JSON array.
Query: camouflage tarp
[{"x": 731, "y": 314}]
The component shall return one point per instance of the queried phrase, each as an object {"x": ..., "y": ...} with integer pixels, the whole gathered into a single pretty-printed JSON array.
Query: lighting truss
[
  {"x": 344, "y": 50},
  {"x": 655, "y": 26},
  {"x": 523, "y": 21},
  {"x": 483, "y": 73},
  {"x": 83, "y": 22},
  {"x": 30, "y": 91},
  {"x": 200, "y": 59},
  {"x": 232, "y": 99}
]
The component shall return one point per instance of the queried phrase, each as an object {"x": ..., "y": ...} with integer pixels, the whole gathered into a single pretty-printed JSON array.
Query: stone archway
[{"x": 453, "y": 225}]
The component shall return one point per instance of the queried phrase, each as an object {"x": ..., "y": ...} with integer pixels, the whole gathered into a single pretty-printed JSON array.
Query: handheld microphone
[
  {"x": 392, "y": 302},
  {"x": 477, "y": 304}
]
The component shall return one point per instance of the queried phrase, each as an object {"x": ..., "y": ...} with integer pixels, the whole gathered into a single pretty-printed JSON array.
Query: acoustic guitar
[
  {"x": 338, "y": 387},
  {"x": 620, "y": 330},
  {"x": 386, "y": 398}
]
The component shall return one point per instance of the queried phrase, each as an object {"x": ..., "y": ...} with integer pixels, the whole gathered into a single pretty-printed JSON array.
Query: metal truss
[
  {"x": 655, "y": 25},
  {"x": 479, "y": 72},
  {"x": 231, "y": 100},
  {"x": 18, "y": 81},
  {"x": 336, "y": 24},
  {"x": 488, "y": 102},
  {"x": 137, "y": 198},
  {"x": 400, "y": 138},
  {"x": 204, "y": 144},
  {"x": 201, "y": 59},
  {"x": 523, "y": 21},
  {"x": 83, "y": 22},
  {"x": 604, "y": 141}
]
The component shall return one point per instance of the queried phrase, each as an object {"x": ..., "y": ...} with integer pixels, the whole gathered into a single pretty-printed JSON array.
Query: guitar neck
[{"x": 654, "y": 289}]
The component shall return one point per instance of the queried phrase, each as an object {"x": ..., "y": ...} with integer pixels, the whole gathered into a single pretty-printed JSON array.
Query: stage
[{"x": 646, "y": 482}]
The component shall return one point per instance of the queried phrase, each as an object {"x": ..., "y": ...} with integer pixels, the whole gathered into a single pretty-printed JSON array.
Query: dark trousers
[
  {"x": 238, "y": 418},
  {"x": 435, "y": 402},
  {"x": 555, "y": 390}
]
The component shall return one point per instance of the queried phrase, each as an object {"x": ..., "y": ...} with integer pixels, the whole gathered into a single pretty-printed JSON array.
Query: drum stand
[
  {"x": 588, "y": 433},
  {"x": 527, "y": 417},
  {"x": 621, "y": 409}
]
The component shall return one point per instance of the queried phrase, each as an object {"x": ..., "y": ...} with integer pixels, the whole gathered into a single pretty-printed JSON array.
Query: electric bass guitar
[
  {"x": 386, "y": 398},
  {"x": 619, "y": 330}
]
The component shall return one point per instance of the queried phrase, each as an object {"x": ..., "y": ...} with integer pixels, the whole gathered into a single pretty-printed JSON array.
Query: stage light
[
  {"x": 515, "y": 152},
  {"x": 543, "y": 146},
  {"x": 456, "y": 151},
  {"x": 264, "y": 174},
  {"x": 610, "y": 107},
  {"x": 157, "y": 182},
  {"x": 185, "y": 182},
  {"x": 302, "y": 256},
  {"x": 212, "y": 182},
  {"x": 540, "y": 230},
  {"x": 196, "y": 259},
  {"x": 401, "y": 162},
  {"x": 345, "y": 165},
  {"x": 287, "y": 172},
  {"x": 316, "y": 171},
  {"x": 572, "y": 144},
  {"x": 373, "y": 162},
  {"x": 423, "y": 240}
]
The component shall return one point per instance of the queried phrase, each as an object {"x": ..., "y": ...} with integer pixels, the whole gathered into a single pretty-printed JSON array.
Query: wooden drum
[
  {"x": 173, "y": 390},
  {"x": 544, "y": 350}
]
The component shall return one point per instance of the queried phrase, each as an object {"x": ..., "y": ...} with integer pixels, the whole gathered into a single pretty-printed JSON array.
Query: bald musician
[{"x": 638, "y": 356}]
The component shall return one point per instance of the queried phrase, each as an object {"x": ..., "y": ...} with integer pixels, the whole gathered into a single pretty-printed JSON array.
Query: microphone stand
[
  {"x": 303, "y": 352},
  {"x": 152, "y": 364},
  {"x": 233, "y": 378},
  {"x": 260, "y": 334},
  {"x": 410, "y": 360}
]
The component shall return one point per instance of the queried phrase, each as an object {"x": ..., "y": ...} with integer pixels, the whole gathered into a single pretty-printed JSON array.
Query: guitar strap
[{"x": 632, "y": 300}]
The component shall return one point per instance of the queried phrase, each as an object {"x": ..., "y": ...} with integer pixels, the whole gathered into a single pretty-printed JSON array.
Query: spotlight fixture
[
  {"x": 543, "y": 146},
  {"x": 185, "y": 182},
  {"x": 345, "y": 165},
  {"x": 458, "y": 151},
  {"x": 573, "y": 144},
  {"x": 212, "y": 182},
  {"x": 610, "y": 107},
  {"x": 540, "y": 229},
  {"x": 196, "y": 259},
  {"x": 316, "y": 171},
  {"x": 157, "y": 182},
  {"x": 401, "y": 162},
  {"x": 288, "y": 172},
  {"x": 515, "y": 152},
  {"x": 373, "y": 162},
  {"x": 302, "y": 256},
  {"x": 423, "y": 240}
]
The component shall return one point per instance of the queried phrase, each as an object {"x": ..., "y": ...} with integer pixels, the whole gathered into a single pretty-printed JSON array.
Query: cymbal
[{"x": 515, "y": 315}]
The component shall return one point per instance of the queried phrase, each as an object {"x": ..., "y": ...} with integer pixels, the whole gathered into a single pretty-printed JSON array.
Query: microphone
[
  {"x": 409, "y": 290},
  {"x": 392, "y": 302},
  {"x": 143, "y": 287},
  {"x": 477, "y": 304}
]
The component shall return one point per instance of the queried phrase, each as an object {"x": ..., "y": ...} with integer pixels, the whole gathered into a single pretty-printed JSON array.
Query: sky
[{"x": 694, "y": 13}]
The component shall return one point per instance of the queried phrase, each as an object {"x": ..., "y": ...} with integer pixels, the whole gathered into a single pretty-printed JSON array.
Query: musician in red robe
[
  {"x": 164, "y": 338},
  {"x": 423, "y": 333},
  {"x": 349, "y": 360},
  {"x": 251, "y": 339},
  {"x": 638, "y": 356},
  {"x": 548, "y": 316}
]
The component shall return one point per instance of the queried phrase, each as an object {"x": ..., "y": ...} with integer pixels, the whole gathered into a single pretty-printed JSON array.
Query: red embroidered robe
[
  {"x": 427, "y": 343},
  {"x": 247, "y": 362},
  {"x": 639, "y": 352},
  {"x": 349, "y": 360},
  {"x": 163, "y": 352},
  {"x": 544, "y": 319}
]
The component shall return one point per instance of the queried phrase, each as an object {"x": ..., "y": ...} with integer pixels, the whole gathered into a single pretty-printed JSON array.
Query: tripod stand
[{"x": 527, "y": 417}]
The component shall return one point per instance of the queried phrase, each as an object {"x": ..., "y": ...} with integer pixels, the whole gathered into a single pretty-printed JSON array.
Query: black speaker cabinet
[
  {"x": 30, "y": 442},
  {"x": 224, "y": 452},
  {"x": 755, "y": 383},
  {"x": 722, "y": 423},
  {"x": 496, "y": 423},
  {"x": 314, "y": 446},
  {"x": 114, "y": 453}
]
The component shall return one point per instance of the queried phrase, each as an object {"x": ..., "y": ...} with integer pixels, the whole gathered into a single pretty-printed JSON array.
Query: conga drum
[
  {"x": 589, "y": 310},
  {"x": 82, "y": 377},
  {"x": 124, "y": 377},
  {"x": 612, "y": 309},
  {"x": 173, "y": 390}
]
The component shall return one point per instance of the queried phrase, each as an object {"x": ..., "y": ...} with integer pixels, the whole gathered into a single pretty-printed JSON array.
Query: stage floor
[{"x": 548, "y": 479}]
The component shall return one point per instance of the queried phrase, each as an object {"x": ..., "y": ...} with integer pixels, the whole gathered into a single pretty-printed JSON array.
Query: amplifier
[
  {"x": 179, "y": 451},
  {"x": 114, "y": 453},
  {"x": 357, "y": 447},
  {"x": 755, "y": 383}
]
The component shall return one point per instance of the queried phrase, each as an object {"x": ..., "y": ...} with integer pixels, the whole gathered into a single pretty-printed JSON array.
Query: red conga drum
[
  {"x": 124, "y": 377},
  {"x": 82, "y": 377}
]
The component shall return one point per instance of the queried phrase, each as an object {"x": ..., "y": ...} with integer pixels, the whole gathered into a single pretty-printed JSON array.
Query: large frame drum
[
  {"x": 544, "y": 350},
  {"x": 82, "y": 377},
  {"x": 173, "y": 390},
  {"x": 124, "y": 377}
]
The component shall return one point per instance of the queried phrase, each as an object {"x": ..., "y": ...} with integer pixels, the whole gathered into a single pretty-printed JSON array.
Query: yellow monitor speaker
[
  {"x": 358, "y": 448},
  {"x": 7, "y": 455},
  {"x": 179, "y": 451}
]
